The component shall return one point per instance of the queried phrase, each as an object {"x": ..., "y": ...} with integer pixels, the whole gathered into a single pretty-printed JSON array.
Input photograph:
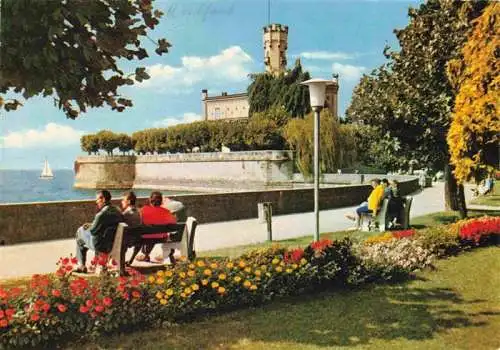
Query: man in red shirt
[{"x": 154, "y": 214}]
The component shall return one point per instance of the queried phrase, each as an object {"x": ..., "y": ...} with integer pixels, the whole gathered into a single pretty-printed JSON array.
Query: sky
[{"x": 215, "y": 45}]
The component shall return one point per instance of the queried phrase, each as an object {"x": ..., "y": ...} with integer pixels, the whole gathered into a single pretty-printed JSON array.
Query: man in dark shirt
[{"x": 99, "y": 235}]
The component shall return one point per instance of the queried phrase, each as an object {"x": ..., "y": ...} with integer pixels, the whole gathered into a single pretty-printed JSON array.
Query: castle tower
[
  {"x": 275, "y": 45},
  {"x": 331, "y": 98}
]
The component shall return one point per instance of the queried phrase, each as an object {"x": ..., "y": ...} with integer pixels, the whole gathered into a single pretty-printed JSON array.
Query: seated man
[
  {"x": 395, "y": 205},
  {"x": 371, "y": 206},
  {"x": 131, "y": 214},
  {"x": 99, "y": 235},
  {"x": 154, "y": 214},
  {"x": 485, "y": 188}
]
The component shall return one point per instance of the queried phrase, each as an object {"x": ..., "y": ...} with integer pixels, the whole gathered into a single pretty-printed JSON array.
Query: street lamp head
[{"x": 317, "y": 88}]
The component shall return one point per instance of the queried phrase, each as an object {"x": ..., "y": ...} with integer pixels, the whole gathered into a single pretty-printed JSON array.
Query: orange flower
[
  {"x": 3, "y": 323},
  {"x": 136, "y": 294}
]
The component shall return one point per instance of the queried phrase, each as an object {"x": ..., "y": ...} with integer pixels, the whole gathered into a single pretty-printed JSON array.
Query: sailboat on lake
[{"x": 46, "y": 172}]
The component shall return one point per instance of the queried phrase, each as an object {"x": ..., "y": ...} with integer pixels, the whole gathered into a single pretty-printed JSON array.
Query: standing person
[
  {"x": 387, "y": 188},
  {"x": 131, "y": 214},
  {"x": 98, "y": 236},
  {"x": 154, "y": 214},
  {"x": 371, "y": 206}
]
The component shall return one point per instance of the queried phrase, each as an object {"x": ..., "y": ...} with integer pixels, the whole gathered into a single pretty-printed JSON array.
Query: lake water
[{"x": 19, "y": 186}]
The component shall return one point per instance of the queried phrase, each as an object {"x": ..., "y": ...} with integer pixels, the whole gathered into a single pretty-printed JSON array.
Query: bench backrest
[{"x": 175, "y": 230}]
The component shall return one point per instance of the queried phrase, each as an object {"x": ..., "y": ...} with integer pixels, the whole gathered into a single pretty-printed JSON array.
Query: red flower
[
  {"x": 136, "y": 294},
  {"x": 3, "y": 294},
  {"x": 321, "y": 245},
  {"x": 107, "y": 301},
  {"x": 65, "y": 261},
  {"x": 297, "y": 254},
  {"x": 74, "y": 261},
  {"x": 99, "y": 308},
  {"x": 9, "y": 313},
  {"x": 2, "y": 314},
  {"x": 84, "y": 309},
  {"x": 4, "y": 323},
  {"x": 62, "y": 307},
  {"x": 35, "y": 317},
  {"x": 46, "y": 307},
  {"x": 403, "y": 234},
  {"x": 56, "y": 293},
  {"x": 89, "y": 303}
]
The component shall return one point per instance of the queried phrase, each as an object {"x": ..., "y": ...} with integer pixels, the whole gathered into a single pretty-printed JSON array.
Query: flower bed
[{"x": 62, "y": 307}]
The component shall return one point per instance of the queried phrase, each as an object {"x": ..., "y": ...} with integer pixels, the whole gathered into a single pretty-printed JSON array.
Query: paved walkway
[{"x": 26, "y": 259}]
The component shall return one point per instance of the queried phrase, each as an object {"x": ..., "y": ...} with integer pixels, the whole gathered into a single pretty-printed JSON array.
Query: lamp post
[{"x": 317, "y": 88}]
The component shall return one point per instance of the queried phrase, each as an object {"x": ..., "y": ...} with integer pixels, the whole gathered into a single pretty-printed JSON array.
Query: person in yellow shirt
[{"x": 372, "y": 205}]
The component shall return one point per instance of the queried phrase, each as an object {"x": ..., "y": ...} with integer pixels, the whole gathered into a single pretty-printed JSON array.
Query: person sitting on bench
[
  {"x": 154, "y": 214},
  {"x": 98, "y": 236},
  {"x": 131, "y": 214},
  {"x": 395, "y": 205},
  {"x": 485, "y": 188},
  {"x": 371, "y": 206}
]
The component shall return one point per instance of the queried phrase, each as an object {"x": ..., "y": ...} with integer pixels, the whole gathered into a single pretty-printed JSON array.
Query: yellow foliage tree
[{"x": 475, "y": 127}]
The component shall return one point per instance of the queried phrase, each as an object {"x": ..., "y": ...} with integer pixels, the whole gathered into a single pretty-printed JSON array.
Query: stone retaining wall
[{"x": 31, "y": 222}]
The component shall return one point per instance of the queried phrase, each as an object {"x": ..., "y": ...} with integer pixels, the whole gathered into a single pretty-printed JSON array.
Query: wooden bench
[
  {"x": 380, "y": 221},
  {"x": 177, "y": 236}
]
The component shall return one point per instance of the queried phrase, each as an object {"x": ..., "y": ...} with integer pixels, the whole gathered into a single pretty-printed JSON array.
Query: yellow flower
[
  {"x": 204, "y": 282},
  {"x": 263, "y": 267},
  {"x": 257, "y": 272},
  {"x": 289, "y": 270},
  {"x": 279, "y": 269},
  {"x": 247, "y": 283},
  {"x": 183, "y": 295},
  {"x": 168, "y": 273},
  {"x": 230, "y": 265},
  {"x": 187, "y": 290},
  {"x": 182, "y": 274},
  {"x": 183, "y": 283},
  {"x": 294, "y": 266},
  {"x": 303, "y": 261},
  {"x": 191, "y": 266},
  {"x": 200, "y": 263},
  {"x": 222, "y": 277},
  {"x": 237, "y": 279},
  {"x": 207, "y": 272},
  {"x": 169, "y": 292},
  {"x": 253, "y": 287},
  {"x": 248, "y": 269},
  {"x": 213, "y": 265},
  {"x": 151, "y": 279},
  {"x": 160, "y": 273},
  {"x": 160, "y": 281},
  {"x": 195, "y": 287},
  {"x": 221, "y": 290},
  {"x": 275, "y": 261},
  {"x": 191, "y": 273},
  {"x": 242, "y": 264},
  {"x": 163, "y": 301},
  {"x": 215, "y": 284},
  {"x": 182, "y": 258},
  {"x": 282, "y": 263},
  {"x": 159, "y": 295}
]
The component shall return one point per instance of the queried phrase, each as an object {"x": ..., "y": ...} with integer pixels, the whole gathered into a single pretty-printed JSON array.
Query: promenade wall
[
  {"x": 196, "y": 171},
  {"x": 31, "y": 222}
]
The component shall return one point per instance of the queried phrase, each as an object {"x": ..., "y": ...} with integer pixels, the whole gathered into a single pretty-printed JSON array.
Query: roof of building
[{"x": 226, "y": 96}]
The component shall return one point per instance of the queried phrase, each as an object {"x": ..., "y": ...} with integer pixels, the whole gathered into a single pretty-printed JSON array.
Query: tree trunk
[{"x": 454, "y": 196}]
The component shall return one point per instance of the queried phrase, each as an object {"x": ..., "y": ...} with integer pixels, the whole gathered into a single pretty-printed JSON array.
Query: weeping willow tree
[{"x": 337, "y": 143}]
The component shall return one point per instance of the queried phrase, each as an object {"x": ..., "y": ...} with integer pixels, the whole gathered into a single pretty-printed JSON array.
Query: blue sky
[{"x": 216, "y": 43}]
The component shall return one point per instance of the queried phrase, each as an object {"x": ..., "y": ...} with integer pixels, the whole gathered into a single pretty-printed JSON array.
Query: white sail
[{"x": 46, "y": 172}]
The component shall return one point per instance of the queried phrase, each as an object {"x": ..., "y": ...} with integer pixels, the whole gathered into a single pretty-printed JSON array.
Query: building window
[{"x": 217, "y": 113}]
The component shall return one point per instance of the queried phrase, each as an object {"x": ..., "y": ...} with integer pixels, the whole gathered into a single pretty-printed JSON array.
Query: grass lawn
[
  {"x": 455, "y": 307},
  {"x": 492, "y": 199}
]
